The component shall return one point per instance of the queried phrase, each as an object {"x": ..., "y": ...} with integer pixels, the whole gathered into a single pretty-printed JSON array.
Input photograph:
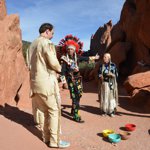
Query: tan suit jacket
[{"x": 43, "y": 65}]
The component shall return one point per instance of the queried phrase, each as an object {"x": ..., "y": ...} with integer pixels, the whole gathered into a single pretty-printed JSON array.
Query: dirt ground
[{"x": 17, "y": 131}]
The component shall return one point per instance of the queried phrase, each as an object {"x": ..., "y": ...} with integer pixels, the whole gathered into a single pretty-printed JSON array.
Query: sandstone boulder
[
  {"x": 138, "y": 86},
  {"x": 138, "y": 81},
  {"x": 13, "y": 71}
]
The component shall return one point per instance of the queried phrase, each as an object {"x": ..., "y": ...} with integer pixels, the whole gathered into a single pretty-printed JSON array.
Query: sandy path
[{"x": 18, "y": 133}]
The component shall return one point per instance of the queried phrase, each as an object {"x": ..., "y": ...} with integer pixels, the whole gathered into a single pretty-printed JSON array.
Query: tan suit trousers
[
  {"x": 49, "y": 106},
  {"x": 37, "y": 115}
]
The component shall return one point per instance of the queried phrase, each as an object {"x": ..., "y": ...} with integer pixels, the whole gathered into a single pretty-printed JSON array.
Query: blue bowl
[{"x": 114, "y": 138}]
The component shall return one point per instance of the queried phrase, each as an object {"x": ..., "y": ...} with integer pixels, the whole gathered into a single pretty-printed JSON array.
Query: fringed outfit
[
  {"x": 108, "y": 91},
  {"x": 74, "y": 81}
]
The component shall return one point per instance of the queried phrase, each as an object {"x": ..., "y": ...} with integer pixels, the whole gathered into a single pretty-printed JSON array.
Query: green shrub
[
  {"x": 86, "y": 65},
  {"x": 25, "y": 46}
]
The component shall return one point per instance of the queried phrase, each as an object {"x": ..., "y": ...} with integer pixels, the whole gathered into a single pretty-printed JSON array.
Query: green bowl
[{"x": 114, "y": 138}]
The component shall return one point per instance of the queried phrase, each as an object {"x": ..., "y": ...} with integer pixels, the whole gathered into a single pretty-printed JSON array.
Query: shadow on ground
[
  {"x": 96, "y": 111},
  {"x": 103, "y": 138},
  {"x": 90, "y": 109},
  {"x": 25, "y": 119},
  {"x": 65, "y": 113},
  {"x": 125, "y": 101},
  {"x": 90, "y": 87}
]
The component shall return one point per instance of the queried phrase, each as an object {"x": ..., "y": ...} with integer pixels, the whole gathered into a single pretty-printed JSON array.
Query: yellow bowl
[{"x": 107, "y": 132}]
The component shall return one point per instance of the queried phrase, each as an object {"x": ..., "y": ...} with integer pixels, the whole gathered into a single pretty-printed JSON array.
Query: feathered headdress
[{"x": 71, "y": 40}]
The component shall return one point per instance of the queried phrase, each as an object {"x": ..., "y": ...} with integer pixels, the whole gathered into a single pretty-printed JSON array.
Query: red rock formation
[
  {"x": 3, "y": 11},
  {"x": 134, "y": 22},
  {"x": 13, "y": 71},
  {"x": 138, "y": 86},
  {"x": 133, "y": 28},
  {"x": 130, "y": 48},
  {"x": 101, "y": 39}
]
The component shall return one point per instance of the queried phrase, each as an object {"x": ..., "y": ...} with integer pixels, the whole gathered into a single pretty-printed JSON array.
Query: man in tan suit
[{"x": 44, "y": 66}]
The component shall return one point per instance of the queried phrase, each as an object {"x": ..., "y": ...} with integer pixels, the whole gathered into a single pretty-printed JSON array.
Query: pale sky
[{"x": 80, "y": 18}]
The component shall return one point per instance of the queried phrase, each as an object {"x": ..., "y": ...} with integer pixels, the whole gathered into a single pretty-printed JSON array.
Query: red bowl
[{"x": 130, "y": 127}]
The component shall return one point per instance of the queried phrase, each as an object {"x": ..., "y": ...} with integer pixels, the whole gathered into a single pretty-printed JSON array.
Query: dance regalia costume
[{"x": 70, "y": 72}]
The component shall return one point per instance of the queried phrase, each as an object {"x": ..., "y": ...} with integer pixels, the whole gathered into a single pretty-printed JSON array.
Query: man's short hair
[{"x": 45, "y": 26}]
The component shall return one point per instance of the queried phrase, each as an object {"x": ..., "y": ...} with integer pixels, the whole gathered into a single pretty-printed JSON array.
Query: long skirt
[{"x": 108, "y": 102}]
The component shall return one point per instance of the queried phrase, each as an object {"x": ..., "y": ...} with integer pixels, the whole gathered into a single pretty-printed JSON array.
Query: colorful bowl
[
  {"x": 130, "y": 127},
  {"x": 107, "y": 132},
  {"x": 114, "y": 138},
  {"x": 125, "y": 135}
]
